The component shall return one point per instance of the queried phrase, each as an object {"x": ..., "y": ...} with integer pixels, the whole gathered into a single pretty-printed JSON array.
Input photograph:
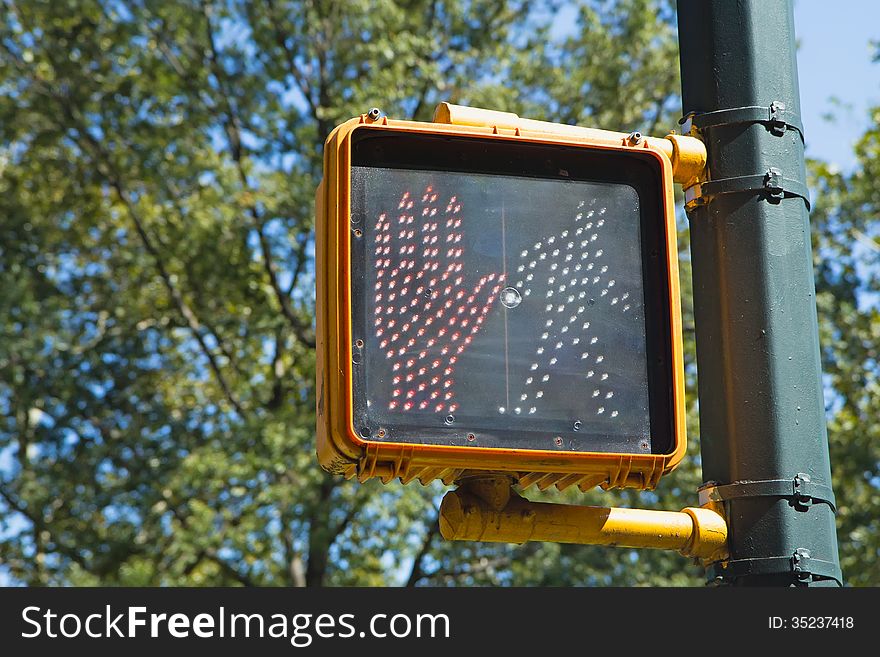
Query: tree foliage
[
  {"x": 846, "y": 247},
  {"x": 158, "y": 162}
]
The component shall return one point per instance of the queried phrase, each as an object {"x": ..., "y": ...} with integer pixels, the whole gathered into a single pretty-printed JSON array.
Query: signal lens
[{"x": 500, "y": 303}]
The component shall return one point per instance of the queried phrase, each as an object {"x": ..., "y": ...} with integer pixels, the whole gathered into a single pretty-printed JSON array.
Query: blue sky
[{"x": 834, "y": 61}]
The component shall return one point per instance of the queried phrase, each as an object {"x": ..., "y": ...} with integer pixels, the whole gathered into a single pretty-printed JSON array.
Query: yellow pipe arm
[
  {"x": 694, "y": 532},
  {"x": 686, "y": 154}
]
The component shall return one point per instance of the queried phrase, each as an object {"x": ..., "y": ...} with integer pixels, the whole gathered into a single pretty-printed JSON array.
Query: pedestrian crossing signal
[{"x": 502, "y": 301}]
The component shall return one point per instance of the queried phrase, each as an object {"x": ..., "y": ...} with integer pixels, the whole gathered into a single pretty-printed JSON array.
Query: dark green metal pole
[{"x": 762, "y": 418}]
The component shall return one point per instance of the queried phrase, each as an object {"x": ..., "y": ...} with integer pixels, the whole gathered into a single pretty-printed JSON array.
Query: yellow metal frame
[{"x": 340, "y": 448}]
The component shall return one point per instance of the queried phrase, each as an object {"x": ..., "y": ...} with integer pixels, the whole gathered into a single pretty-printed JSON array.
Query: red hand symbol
[{"x": 426, "y": 313}]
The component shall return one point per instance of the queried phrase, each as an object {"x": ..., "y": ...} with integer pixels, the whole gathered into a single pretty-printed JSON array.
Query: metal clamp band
[
  {"x": 802, "y": 491},
  {"x": 777, "y": 118},
  {"x": 800, "y": 564},
  {"x": 772, "y": 183}
]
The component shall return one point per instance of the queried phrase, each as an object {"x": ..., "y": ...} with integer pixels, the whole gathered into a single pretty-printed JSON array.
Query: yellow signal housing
[{"x": 419, "y": 446}]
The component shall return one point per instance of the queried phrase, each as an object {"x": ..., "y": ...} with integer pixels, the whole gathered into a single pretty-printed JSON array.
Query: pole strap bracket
[
  {"x": 771, "y": 183},
  {"x": 775, "y": 116},
  {"x": 801, "y": 491},
  {"x": 800, "y": 564}
]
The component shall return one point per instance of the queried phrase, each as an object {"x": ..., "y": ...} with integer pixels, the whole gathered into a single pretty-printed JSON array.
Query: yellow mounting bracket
[
  {"x": 686, "y": 154},
  {"x": 485, "y": 508}
]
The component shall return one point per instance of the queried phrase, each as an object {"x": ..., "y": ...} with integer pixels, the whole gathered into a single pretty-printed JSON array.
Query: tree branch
[
  {"x": 104, "y": 165},
  {"x": 301, "y": 82},
  {"x": 418, "y": 571},
  {"x": 232, "y": 126}
]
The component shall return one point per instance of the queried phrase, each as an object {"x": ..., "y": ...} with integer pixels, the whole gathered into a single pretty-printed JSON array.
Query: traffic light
[{"x": 497, "y": 300}]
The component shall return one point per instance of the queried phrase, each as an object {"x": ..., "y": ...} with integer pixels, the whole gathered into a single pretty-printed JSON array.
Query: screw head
[{"x": 510, "y": 297}]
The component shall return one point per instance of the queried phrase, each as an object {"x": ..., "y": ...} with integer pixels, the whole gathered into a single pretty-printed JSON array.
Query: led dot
[
  {"x": 517, "y": 410},
  {"x": 533, "y": 409},
  {"x": 542, "y": 256},
  {"x": 575, "y": 340},
  {"x": 539, "y": 394},
  {"x": 529, "y": 381},
  {"x": 553, "y": 361},
  {"x": 521, "y": 268},
  {"x": 523, "y": 397},
  {"x": 545, "y": 335},
  {"x": 586, "y": 325},
  {"x": 599, "y": 253},
  {"x": 599, "y": 359},
  {"x": 626, "y": 307},
  {"x": 602, "y": 211},
  {"x": 548, "y": 307},
  {"x": 614, "y": 301},
  {"x": 609, "y": 395},
  {"x": 551, "y": 240},
  {"x": 594, "y": 340},
  {"x": 553, "y": 267},
  {"x": 524, "y": 254},
  {"x": 595, "y": 393},
  {"x": 564, "y": 329},
  {"x": 600, "y": 410},
  {"x": 545, "y": 378},
  {"x": 559, "y": 345},
  {"x": 560, "y": 308},
  {"x": 590, "y": 374},
  {"x": 540, "y": 350},
  {"x": 529, "y": 277},
  {"x": 604, "y": 376},
  {"x": 625, "y": 295},
  {"x": 534, "y": 366},
  {"x": 584, "y": 355},
  {"x": 549, "y": 323},
  {"x": 501, "y": 409},
  {"x": 603, "y": 293}
]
